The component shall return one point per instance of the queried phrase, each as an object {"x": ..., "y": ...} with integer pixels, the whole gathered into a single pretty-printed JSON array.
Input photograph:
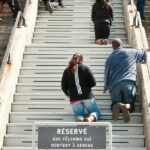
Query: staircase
[{"x": 38, "y": 94}]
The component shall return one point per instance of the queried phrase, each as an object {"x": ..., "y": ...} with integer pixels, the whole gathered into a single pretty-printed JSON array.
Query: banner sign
[{"x": 72, "y": 137}]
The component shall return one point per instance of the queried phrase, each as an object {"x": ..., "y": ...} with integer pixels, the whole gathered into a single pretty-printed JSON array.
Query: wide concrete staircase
[{"x": 39, "y": 97}]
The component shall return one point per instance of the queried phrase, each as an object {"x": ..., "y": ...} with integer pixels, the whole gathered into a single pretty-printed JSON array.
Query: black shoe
[{"x": 49, "y": 7}]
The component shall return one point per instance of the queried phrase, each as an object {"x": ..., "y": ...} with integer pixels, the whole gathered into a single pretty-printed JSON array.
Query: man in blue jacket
[{"x": 120, "y": 78}]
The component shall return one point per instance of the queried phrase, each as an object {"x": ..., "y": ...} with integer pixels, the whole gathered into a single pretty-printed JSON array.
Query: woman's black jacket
[{"x": 86, "y": 80}]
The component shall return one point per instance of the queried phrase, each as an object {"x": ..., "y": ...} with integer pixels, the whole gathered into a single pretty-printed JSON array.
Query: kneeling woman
[
  {"x": 77, "y": 81},
  {"x": 102, "y": 16}
]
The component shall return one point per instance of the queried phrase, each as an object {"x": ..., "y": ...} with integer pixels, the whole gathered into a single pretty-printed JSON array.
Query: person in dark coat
[
  {"x": 102, "y": 16},
  {"x": 77, "y": 81}
]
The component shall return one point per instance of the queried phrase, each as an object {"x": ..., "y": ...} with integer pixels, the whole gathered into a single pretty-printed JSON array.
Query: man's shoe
[
  {"x": 49, "y": 7},
  {"x": 125, "y": 113},
  {"x": 116, "y": 111}
]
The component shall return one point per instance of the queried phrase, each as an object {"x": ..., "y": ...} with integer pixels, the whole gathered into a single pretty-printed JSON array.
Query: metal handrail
[{"x": 7, "y": 57}]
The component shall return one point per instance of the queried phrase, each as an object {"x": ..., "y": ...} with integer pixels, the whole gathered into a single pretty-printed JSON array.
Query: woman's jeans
[{"x": 86, "y": 107}]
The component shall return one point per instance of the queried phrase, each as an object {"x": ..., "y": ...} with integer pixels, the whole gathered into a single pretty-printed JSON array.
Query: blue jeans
[
  {"x": 124, "y": 92},
  {"x": 140, "y": 8},
  {"x": 86, "y": 107}
]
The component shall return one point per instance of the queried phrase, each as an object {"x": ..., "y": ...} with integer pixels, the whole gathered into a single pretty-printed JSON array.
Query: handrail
[{"x": 7, "y": 57}]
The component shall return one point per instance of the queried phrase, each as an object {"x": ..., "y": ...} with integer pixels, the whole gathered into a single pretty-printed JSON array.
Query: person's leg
[
  {"x": 79, "y": 111},
  {"x": 140, "y": 8},
  {"x": 106, "y": 32},
  {"x": 92, "y": 109},
  {"x": 61, "y": 3},
  {"x": 16, "y": 8},
  {"x": 98, "y": 33},
  {"x": 116, "y": 98},
  {"x": 49, "y": 6},
  {"x": 129, "y": 91},
  {"x": 129, "y": 94}
]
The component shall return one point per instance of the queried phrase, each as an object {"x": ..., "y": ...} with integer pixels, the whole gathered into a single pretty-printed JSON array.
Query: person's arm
[
  {"x": 91, "y": 78},
  {"x": 64, "y": 83},
  {"x": 106, "y": 75},
  {"x": 141, "y": 56},
  {"x": 111, "y": 15}
]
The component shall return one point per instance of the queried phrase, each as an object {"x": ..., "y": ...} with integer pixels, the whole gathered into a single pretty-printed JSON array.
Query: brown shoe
[
  {"x": 116, "y": 111},
  {"x": 125, "y": 113}
]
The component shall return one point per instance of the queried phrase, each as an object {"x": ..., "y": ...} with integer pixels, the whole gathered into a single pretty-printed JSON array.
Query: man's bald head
[{"x": 116, "y": 43}]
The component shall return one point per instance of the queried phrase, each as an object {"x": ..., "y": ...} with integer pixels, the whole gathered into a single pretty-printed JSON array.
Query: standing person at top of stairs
[
  {"x": 51, "y": 5},
  {"x": 77, "y": 82},
  {"x": 102, "y": 16},
  {"x": 120, "y": 78}
]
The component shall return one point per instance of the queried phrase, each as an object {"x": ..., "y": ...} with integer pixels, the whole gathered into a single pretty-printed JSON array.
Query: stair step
[
  {"x": 52, "y": 70},
  {"x": 117, "y": 140},
  {"x": 45, "y": 78},
  {"x": 72, "y": 15},
  {"x": 30, "y": 117},
  {"x": 113, "y": 148},
  {"x": 81, "y": 8},
  {"x": 58, "y": 106},
  {"x": 117, "y": 129},
  {"x": 57, "y": 64},
  {"x": 46, "y": 97}
]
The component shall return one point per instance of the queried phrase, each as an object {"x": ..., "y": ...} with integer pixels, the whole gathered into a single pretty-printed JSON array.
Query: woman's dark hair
[
  {"x": 102, "y": 3},
  {"x": 77, "y": 58}
]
